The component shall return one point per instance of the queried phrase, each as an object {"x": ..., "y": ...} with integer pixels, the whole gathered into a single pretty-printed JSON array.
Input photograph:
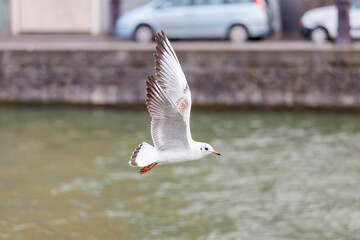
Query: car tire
[
  {"x": 143, "y": 34},
  {"x": 238, "y": 33},
  {"x": 319, "y": 35}
]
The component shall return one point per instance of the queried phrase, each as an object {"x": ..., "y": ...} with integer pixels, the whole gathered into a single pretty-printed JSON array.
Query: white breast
[{"x": 166, "y": 157}]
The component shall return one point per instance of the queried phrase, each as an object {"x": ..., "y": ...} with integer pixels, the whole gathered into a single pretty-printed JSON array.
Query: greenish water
[{"x": 64, "y": 175}]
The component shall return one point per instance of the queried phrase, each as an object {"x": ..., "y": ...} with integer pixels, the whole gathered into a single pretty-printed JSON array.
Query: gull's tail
[{"x": 144, "y": 155}]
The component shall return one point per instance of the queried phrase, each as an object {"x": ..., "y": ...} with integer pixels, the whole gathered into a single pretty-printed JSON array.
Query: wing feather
[
  {"x": 168, "y": 99},
  {"x": 168, "y": 127},
  {"x": 170, "y": 76}
]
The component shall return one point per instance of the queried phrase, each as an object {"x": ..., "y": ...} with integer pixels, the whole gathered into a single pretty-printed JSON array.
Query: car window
[
  {"x": 208, "y": 2},
  {"x": 355, "y": 4},
  {"x": 176, "y": 3},
  {"x": 238, "y": 1}
]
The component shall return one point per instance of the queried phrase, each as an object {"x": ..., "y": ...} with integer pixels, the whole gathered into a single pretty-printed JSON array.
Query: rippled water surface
[{"x": 64, "y": 175}]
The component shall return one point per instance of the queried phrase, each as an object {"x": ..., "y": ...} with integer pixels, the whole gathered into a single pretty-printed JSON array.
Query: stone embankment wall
[{"x": 328, "y": 77}]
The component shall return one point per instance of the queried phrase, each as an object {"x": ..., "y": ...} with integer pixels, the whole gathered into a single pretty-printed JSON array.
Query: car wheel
[
  {"x": 238, "y": 33},
  {"x": 143, "y": 34},
  {"x": 319, "y": 35}
]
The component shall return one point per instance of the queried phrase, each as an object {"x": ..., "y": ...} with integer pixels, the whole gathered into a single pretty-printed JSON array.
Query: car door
[
  {"x": 355, "y": 19},
  {"x": 207, "y": 18},
  {"x": 171, "y": 16}
]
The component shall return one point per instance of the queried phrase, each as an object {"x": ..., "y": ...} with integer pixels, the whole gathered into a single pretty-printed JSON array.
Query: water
[{"x": 64, "y": 175}]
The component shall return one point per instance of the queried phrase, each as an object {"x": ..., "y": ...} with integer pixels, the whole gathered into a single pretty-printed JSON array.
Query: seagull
[{"x": 168, "y": 101}]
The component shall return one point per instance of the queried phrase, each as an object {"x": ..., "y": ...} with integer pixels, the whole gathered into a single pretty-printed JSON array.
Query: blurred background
[
  {"x": 275, "y": 87},
  {"x": 99, "y": 17}
]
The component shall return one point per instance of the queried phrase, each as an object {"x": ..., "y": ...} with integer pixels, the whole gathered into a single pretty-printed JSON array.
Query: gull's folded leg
[{"x": 147, "y": 168}]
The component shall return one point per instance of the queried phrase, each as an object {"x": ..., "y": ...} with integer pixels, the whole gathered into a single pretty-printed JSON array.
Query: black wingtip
[
  {"x": 161, "y": 36},
  {"x": 150, "y": 78}
]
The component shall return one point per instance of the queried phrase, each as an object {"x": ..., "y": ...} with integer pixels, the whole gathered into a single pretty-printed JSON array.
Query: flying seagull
[{"x": 169, "y": 104}]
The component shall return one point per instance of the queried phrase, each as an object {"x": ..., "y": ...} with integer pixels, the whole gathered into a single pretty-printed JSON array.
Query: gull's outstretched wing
[
  {"x": 168, "y": 126},
  {"x": 170, "y": 76},
  {"x": 168, "y": 99}
]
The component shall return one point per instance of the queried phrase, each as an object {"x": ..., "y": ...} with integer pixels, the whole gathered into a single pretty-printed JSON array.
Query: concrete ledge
[
  {"x": 113, "y": 73},
  {"x": 84, "y": 43}
]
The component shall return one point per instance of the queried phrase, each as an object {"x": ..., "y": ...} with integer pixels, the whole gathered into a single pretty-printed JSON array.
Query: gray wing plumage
[
  {"x": 168, "y": 128},
  {"x": 170, "y": 75},
  {"x": 168, "y": 99}
]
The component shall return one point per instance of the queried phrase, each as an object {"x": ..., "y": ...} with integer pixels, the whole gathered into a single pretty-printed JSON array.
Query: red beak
[{"x": 216, "y": 153}]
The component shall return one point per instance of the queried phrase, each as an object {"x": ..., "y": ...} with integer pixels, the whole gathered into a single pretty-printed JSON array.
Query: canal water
[{"x": 64, "y": 175}]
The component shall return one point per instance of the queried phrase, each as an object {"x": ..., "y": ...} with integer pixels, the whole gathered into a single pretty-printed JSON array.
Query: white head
[{"x": 206, "y": 149}]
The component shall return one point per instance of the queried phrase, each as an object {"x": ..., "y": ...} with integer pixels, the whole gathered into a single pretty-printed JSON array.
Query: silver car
[{"x": 236, "y": 20}]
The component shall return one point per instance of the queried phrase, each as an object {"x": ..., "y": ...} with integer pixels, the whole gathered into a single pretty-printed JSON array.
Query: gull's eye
[{"x": 206, "y": 149}]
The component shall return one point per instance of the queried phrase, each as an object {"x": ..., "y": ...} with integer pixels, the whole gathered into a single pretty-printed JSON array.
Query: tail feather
[{"x": 144, "y": 155}]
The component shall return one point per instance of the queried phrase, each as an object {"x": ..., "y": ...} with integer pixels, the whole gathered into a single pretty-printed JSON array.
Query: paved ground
[{"x": 85, "y": 42}]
